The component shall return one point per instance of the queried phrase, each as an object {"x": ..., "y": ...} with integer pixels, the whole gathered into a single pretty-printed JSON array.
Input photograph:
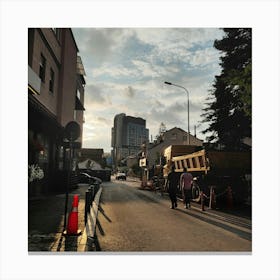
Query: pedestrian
[
  {"x": 186, "y": 180},
  {"x": 172, "y": 184}
]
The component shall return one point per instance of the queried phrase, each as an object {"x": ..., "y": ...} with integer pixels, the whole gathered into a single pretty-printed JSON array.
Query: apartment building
[
  {"x": 55, "y": 97},
  {"x": 128, "y": 134}
]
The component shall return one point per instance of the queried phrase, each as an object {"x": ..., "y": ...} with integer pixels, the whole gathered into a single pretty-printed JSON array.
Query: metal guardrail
[
  {"x": 91, "y": 211},
  {"x": 89, "y": 198}
]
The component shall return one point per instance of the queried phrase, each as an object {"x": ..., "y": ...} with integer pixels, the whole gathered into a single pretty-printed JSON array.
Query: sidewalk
[{"x": 46, "y": 219}]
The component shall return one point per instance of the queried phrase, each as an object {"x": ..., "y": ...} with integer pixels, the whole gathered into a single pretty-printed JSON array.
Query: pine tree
[{"x": 228, "y": 110}]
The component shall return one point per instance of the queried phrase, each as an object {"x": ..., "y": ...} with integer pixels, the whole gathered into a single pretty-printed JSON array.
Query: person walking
[
  {"x": 172, "y": 183},
  {"x": 186, "y": 180}
]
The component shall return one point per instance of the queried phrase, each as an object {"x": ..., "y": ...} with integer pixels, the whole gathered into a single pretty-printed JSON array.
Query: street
[
  {"x": 135, "y": 220},
  {"x": 119, "y": 115}
]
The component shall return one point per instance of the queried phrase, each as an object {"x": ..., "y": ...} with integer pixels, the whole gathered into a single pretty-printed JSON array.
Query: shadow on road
[
  {"x": 239, "y": 232},
  {"x": 101, "y": 210},
  {"x": 99, "y": 227},
  {"x": 67, "y": 243}
]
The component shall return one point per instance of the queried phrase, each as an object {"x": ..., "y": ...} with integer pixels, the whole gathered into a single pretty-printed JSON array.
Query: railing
[{"x": 92, "y": 198}]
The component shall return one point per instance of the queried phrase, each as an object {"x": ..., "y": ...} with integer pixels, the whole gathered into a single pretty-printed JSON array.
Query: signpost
[
  {"x": 72, "y": 132},
  {"x": 143, "y": 162}
]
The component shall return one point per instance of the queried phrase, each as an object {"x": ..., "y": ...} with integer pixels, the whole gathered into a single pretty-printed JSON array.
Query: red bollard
[
  {"x": 229, "y": 198},
  {"x": 212, "y": 203},
  {"x": 202, "y": 200},
  {"x": 213, "y": 199}
]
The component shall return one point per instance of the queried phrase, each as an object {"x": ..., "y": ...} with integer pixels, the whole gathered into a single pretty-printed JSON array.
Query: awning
[
  {"x": 78, "y": 105},
  {"x": 40, "y": 118}
]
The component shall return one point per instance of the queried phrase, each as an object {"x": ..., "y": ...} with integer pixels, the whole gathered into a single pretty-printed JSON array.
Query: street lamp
[{"x": 171, "y": 84}]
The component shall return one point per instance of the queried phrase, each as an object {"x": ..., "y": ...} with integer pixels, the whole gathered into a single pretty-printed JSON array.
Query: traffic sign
[{"x": 72, "y": 131}]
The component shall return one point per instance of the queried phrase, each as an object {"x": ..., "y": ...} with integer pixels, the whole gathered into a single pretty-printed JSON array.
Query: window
[
  {"x": 42, "y": 69},
  {"x": 51, "y": 84},
  {"x": 174, "y": 136}
]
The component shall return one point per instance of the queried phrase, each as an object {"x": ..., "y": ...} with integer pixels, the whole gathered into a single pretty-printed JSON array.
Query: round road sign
[{"x": 72, "y": 131}]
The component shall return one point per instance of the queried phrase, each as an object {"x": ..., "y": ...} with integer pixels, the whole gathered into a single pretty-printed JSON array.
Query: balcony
[{"x": 34, "y": 82}]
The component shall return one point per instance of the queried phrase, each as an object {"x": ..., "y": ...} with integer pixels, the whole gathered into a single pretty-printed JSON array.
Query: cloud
[
  {"x": 129, "y": 92},
  {"x": 126, "y": 69},
  {"x": 176, "y": 44},
  {"x": 94, "y": 95},
  {"x": 204, "y": 57},
  {"x": 145, "y": 68},
  {"x": 105, "y": 121},
  {"x": 101, "y": 44},
  {"x": 115, "y": 71}
]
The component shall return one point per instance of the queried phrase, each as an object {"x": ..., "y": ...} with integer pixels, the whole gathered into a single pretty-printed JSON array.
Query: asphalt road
[{"x": 135, "y": 220}]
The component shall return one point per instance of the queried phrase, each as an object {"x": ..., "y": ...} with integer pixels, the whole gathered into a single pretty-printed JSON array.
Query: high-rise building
[{"x": 128, "y": 134}]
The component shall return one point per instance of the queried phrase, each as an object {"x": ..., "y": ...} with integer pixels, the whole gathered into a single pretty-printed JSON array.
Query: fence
[{"x": 91, "y": 211}]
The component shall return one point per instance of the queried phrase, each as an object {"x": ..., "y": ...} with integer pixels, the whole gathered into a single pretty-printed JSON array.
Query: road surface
[{"x": 135, "y": 220}]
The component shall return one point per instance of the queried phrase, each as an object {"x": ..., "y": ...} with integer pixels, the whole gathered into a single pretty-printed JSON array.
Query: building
[
  {"x": 96, "y": 155},
  {"x": 128, "y": 134},
  {"x": 55, "y": 97},
  {"x": 174, "y": 136}
]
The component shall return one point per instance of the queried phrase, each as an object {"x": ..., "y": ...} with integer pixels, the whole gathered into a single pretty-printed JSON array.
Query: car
[
  {"x": 103, "y": 174},
  {"x": 85, "y": 178},
  {"x": 120, "y": 176}
]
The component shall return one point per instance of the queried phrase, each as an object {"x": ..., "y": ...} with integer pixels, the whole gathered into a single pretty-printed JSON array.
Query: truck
[{"x": 218, "y": 171}]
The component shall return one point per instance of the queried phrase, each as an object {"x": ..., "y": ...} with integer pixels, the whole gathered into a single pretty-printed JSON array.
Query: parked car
[
  {"x": 85, "y": 178},
  {"x": 120, "y": 176},
  {"x": 103, "y": 174}
]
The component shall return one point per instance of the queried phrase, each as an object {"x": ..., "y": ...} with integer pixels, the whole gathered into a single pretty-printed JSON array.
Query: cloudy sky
[{"x": 125, "y": 73}]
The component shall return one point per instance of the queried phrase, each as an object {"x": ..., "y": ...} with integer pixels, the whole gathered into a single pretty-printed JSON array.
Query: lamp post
[{"x": 171, "y": 84}]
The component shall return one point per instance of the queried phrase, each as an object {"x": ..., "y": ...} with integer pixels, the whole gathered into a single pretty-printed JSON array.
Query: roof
[
  {"x": 71, "y": 32},
  {"x": 89, "y": 164},
  {"x": 178, "y": 128}
]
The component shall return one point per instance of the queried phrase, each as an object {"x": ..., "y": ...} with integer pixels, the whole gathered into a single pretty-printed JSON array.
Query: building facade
[
  {"x": 55, "y": 97},
  {"x": 128, "y": 134},
  {"x": 174, "y": 136}
]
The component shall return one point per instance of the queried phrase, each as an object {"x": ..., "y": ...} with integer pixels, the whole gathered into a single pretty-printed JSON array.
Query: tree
[
  {"x": 228, "y": 108},
  {"x": 162, "y": 128},
  {"x": 136, "y": 169},
  {"x": 161, "y": 131}
]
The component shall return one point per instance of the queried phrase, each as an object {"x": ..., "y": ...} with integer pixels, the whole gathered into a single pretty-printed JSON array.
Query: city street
[
  {"x": 140, "y": 144},
  {"x": 135, "y": 220}
]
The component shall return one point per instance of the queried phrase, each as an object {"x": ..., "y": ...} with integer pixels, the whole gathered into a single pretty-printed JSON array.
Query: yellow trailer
[{"x": 193, "y": 162}]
